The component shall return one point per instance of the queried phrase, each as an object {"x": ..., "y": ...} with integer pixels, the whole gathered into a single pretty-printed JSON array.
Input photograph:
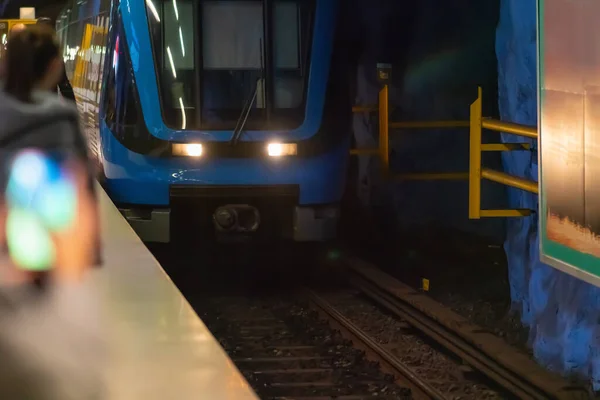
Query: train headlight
[
  {"x": 282, "y": 149},
  {"x": 187, "y": 149}
]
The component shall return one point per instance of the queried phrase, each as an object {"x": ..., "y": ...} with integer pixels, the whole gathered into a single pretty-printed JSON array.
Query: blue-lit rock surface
[{"x": 562, "y": 312}]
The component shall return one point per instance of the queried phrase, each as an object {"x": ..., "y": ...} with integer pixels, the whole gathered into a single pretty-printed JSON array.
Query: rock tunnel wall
[
  {"x": 440, "y": 53},
  {"x": 562, "y": 312}
]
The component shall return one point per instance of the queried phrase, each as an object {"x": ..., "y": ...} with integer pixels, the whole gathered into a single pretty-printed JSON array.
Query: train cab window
[
  {"x": 289, "y": 74},
  {"x": 233, "y": 62},
  {"x": 172, "y": 28},
  {"x": 236, "y": 55}
]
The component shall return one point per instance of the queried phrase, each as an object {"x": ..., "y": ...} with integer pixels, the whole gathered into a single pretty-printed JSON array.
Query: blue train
[{"x": 232, "y": 116}]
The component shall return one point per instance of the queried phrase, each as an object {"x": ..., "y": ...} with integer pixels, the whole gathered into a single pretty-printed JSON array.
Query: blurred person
[
  {"x": 33, "y": 67},
  {"x": 52, "y": 342},
  {"x": 16, "y": 28},
  {"x": 66, "y": 90},
  {"x": 34, "y": 118}
]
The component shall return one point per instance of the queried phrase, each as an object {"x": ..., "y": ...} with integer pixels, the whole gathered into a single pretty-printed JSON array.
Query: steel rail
[
  {"x": 389, "y": 362},
  {"x": 528, "y": 382}
]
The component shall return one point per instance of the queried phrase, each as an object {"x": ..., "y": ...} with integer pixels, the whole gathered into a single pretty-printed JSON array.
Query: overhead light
[
  {"x": 184, "y": 118},
  {"x": 282, "y": 149},
  {"x": 187, "y": 149},
  {"x": 171, "y": 62},
  {"x": 153, "y": 10}
]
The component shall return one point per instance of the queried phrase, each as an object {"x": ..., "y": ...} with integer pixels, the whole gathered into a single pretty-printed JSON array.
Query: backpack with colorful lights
[{"x": 48, "y": 211}]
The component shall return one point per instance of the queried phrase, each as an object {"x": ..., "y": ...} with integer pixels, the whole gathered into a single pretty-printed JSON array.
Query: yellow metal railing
[{"x": 476, "y": 172}]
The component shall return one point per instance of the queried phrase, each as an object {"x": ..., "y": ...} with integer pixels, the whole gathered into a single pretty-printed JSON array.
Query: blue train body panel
[
  {"x": 136, "y": 179},
  {"x": 136, "y": 176}
]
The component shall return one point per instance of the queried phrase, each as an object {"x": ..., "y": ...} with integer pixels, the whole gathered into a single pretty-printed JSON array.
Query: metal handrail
[
  {"x": 476, "y": 173},
  {"x": 510, "y": 127}
]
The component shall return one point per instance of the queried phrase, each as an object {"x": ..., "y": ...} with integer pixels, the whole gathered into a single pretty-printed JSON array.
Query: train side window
[
  {"x": 120, "y": 103},
  {"x": 94, "y": 57},
  {"x": 101, "y": 53},
  {"x": 73, "y": 41}
]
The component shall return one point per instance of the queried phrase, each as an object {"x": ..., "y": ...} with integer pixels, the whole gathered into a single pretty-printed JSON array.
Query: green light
[
  {"x": 29, "y": 244},
  {"x": 334, "y": 255},
  {"x": 57, "y": 204}
]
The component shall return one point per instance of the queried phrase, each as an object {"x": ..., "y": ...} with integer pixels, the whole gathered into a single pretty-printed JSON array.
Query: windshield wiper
[{"x": 241, "y": 122}]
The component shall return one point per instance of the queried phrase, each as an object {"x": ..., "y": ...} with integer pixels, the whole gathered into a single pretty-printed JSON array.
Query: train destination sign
[{"x": 569, "y": 124}]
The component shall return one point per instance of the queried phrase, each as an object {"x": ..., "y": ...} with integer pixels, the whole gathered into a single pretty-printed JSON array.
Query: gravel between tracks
[
  {"x": 442, "y": 372},
  {"x": 269, "y": 338}
]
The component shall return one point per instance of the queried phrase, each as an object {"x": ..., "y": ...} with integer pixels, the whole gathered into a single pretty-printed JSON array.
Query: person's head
[
  {"x": 16, "y": 28},
  {"x": 32, "y": 60}
]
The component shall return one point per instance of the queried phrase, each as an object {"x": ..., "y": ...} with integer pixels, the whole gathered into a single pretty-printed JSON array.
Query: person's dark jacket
[
  {"x": 66, "y": 90},
  {"x": 47, "y": 113}
]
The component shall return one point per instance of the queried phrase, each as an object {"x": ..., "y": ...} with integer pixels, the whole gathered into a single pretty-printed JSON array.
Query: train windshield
[{"x": 211, "y": 56}]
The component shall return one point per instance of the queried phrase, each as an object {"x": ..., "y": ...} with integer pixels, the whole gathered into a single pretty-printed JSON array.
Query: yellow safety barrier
[
  {"x": 13, "y": 22},
  {"x": 476, "y": 172},
  {"x": 383, "y": 151}
]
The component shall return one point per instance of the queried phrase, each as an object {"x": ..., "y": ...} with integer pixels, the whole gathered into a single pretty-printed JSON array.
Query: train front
[{"x": 220, "y": 114}]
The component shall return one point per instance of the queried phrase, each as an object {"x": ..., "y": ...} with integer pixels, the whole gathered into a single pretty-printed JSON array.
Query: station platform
[{"x": 136, "y": 336}]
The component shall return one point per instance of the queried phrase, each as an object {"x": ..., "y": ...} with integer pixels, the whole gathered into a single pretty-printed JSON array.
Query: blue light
[
  {"x": 29, "y": 170},
  {"x": 37, "y": 184},
  {"x": 56, "y": 204}
]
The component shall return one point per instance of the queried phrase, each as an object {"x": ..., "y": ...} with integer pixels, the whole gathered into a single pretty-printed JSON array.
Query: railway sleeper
[{"x": 333, "y": 391}]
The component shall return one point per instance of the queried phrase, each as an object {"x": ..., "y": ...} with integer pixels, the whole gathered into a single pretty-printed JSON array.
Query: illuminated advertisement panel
[{"x": 569, "y": 126}]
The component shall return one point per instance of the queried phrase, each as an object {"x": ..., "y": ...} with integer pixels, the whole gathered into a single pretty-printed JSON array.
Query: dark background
[{"x": 9, "y": 9}]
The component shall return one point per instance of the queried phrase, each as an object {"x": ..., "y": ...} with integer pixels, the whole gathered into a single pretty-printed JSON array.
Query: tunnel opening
[
  {"x": 419, "y": 230},
  {"x": 487, "y": 269}
]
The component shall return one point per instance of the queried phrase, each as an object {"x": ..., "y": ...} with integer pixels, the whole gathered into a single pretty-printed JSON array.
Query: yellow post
[
  {"x": 509, "y": 180},
  {"x": 510, "y": 127},
  {"x": 80, "y": 62},
  {"x": 475, "y": 159},
  {"x": 384, "y": 142},
  {"x": 360, "y": 152}
]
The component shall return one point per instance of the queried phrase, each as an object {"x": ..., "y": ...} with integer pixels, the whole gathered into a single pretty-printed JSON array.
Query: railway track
[
  {"x": 285, "y": 352},
  {"x": 384, "y": 355},
  {"x": 370, "y": 337},
  {"x": 479, "y": 350},
  {"x": 299, "y": 346}
]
